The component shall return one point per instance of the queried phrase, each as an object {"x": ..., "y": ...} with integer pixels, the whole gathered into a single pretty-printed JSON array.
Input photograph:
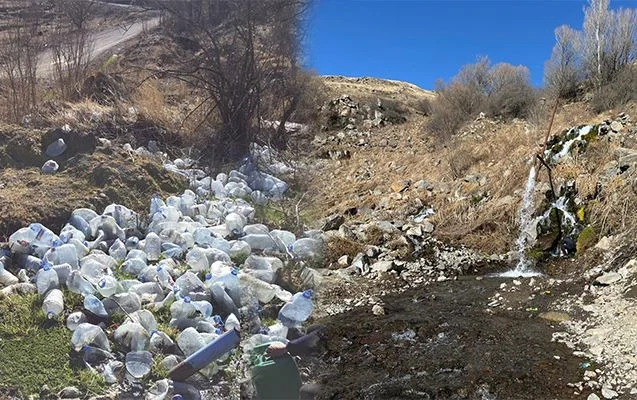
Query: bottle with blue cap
[
  {"x": 108, "y": 286},
  {"x": 183, "y": 308},
  {"x": 95, "y": 306},
  {"x": 46, "y": 278},
  {"x": 298, "y": 310},
  {"x": 53, "y": 304}
]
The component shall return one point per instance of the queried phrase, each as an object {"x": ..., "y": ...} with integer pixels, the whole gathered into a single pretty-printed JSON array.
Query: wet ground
[{"x": 444, "y": 341}]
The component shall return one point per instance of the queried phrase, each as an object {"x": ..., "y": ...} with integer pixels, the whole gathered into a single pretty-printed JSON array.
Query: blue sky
[{"x": 420, "y": 41}]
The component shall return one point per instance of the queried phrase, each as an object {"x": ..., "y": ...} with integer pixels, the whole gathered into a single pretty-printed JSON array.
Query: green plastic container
[{"x": 274, "y": 378}]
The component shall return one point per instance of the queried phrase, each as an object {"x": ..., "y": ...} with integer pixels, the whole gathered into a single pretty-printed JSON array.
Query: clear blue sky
[{"x": 420, "y": 41}]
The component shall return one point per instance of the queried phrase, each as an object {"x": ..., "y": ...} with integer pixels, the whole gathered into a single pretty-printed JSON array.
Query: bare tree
[
  {"x": 247, "y": 53},
  {"x": 562, "y": 71},
  {"x": 73, "y": 44},
  {"x": 596, "y": 24},
  {"x": 19, "y": 61}
]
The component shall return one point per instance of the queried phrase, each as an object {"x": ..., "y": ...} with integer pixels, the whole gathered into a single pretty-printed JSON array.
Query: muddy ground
[{"x": 443, "y": 341}]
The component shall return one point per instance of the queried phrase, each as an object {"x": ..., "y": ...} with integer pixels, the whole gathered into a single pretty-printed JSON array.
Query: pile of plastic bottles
[{"x": 197, "y": 257}]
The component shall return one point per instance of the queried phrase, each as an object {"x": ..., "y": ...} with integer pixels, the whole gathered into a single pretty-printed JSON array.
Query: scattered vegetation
[{"x": 35, "y": 351}]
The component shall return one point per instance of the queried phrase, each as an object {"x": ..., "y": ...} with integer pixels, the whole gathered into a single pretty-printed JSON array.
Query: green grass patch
[{"x": 35, "y": 351}]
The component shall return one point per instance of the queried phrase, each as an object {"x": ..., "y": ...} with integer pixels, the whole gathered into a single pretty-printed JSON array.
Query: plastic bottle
[
  {"x": 232, "y": 322},
  {"x": 81, "y": 247},
  {"x": 132, "y": 243},
  {"x": 148, "y": 291},
  {"x": 189, "y": 341},
  {"x": 6, "y": 277},
  {"x": 235, "y": 223},
  {"x": 108, "y": 286},
  {"x": 46, "y": 279},
  {"x": 88, "y": 334},
  {"x": 182, "y": 308},
  {"x": 230, "y": 282},
  {"x": 152, "y": 246},
  {"x": 132, "y": 335},
  {"x": 189, "y": 284},
  {"x": 294, "y": 313},
  {"x": 263, "y": 291},
  {"x": 117, "y": 250},
  {"x": 222, "y": 302},
  {"x": 133, "y": 266},
  {"x": 62, "y": 254},
  {"x": 20, "y": 241},
  {"x": 75, "y": 319},
  {"x": 160, "y": 342},
  {"x": 283, "y": 238},
  {"x": 197, "y": 260},
  {"x": 43, "y": 236},
  {"x": 95, "y": 306},
  {"x": 94, "y": 356},
  {"x": 139, "y": 363},
  {"x": 307, "y": 248},
  {"x": 53, "y": 304},
  {"x": 259, "y": 241},
  {"x": 203, "y": 307},
  {"x": 128, "y": 302}
]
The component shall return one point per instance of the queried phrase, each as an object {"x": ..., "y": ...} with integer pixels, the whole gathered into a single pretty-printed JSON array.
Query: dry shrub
[
  {"x": 618, "y": 92},
  {"x": 614, "y": 209},
  {"x": 150, "y": 103}
]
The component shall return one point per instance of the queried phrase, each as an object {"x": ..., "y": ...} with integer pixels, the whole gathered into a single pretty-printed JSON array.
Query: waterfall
[
  {"x": 524, "y": 218},
  {"x": 524, "y": 221}
]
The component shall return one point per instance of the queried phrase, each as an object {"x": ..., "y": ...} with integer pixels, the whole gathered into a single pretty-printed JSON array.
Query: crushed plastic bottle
[
  {"x": 139, "y": 363},
  {"x": 88, "y": 334},
  {"x": 152, "y": 246},
  {"x": 294, "y": 313},
  {"x": 75, "y": 319},
  {"x": 94, "y": 305},
  {"x": 46, "y": 279}
]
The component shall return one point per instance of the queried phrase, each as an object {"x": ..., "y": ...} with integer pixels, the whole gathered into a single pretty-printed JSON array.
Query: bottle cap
[
  {"x": 208, "y": 276},
  {"x": 307, "y": 294},
  {"x": 187, "y": 299},
  {"x": 234, "y": 271},
  {"x": 102, "y": 283}
]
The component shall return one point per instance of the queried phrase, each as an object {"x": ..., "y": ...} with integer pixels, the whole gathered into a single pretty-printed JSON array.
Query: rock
[
  {"x": 616, "y": 126},
  {"x": 333, "y": 222},
  {"x": 400, "y": 186},
  {"x": 423, "y": 185},
  {"x": 50, "y": 167},
  {"x": 382, "y": 266},
  {"x": 344, "y": 261},
  {"x": 377, "y": 309},
  {"x": 427, "y": 227},
  {"x": 554, "y": 316},
  {"x": 414, "y": 231},
  {"x": 56, "y": 148},
  {"x": 608, "y": 278},
  {"x": 593, "y": 396},
  {"x": 608, "y": 393},
  {"x": 604, "y": 244},
  {"x": 19, "y": 289},
  {"x": 70, "y": 392},
  {"x": 360, "y": 264}
]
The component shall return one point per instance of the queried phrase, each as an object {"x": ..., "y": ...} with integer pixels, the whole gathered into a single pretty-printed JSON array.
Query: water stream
[{"x": 523, "y": 268}]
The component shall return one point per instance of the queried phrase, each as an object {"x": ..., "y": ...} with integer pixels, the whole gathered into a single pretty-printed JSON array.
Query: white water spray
[{"x": 524, "y": 220}]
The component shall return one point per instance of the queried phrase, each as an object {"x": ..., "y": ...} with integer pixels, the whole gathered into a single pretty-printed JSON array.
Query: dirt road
[{"x": 105, "y": 40}]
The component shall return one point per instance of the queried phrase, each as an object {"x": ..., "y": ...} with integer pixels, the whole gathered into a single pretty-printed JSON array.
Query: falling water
[{"x": 524, "y": 219}]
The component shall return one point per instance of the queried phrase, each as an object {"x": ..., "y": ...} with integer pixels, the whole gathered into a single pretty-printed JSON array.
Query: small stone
[
  {"x": 400, "y": 186},
  {"x": 427, "y": 227},
  {"x": 554, "y": 316},
  {"x": 70, "y": 392},
  {"x": 382, "y": 266},
  {"x": 414, "y": 231},
  {"x": 608, "y": 393},
  {"x": 377, "y": 309},
  {"x": 344, "y": 261},
  {"x": 616, "y": 126},
  {"x": 604, "y": 244},
  {"x": 593, "y": 396},
  {"x": 608, "y": 278},
  {"x": 333, "y": 222}
]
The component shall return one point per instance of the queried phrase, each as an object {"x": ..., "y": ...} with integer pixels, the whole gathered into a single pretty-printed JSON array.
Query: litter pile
[{"x": 196, "y": 258}]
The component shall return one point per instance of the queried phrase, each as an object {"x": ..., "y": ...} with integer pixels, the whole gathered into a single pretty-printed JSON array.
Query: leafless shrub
[
  {"x": 73, "y": 43},
  {"x": 618, "y": 92},
  {"x": 562, "y": 72},
  {"x": 19, "y": 52}
]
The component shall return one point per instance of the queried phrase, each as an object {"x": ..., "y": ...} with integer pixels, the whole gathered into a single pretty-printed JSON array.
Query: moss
[
  {"x": 585, "y": 239},
  {"x": 535, "y": 253},
  {"x": 35, "y": 351}
]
